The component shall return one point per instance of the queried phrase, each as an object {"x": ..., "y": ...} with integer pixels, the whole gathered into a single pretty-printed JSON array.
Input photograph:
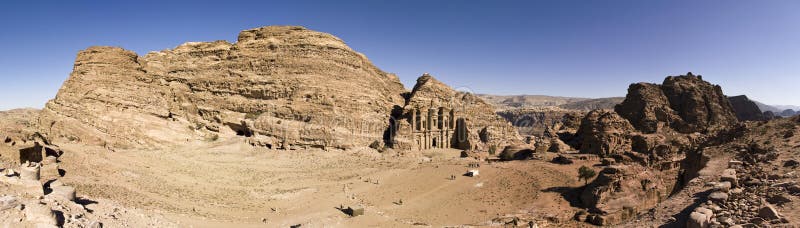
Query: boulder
[
  {"x": 41, "y": 214},
  {"x": 734, "y": 163},
  {"x": 718, "y": 197},
  {"x": 8, "y": 202},
  {"x": 729, "y": 175},
  {"x": 697, "y": 220},
  {"x": 768, "y": 212},
  {"x": 560, "y": 159},
  {"x": 65, "y": 193},
  {"x": 724, "y": 186}
]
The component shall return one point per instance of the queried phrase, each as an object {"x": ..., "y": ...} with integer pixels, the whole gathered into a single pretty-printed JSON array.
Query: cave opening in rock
[{"x": 241, "y": 130}]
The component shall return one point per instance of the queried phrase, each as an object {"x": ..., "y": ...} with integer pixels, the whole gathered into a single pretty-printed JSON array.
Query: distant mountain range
[
  {"x": 506, "y": 102},
  {"x": 776, "y": 108}
]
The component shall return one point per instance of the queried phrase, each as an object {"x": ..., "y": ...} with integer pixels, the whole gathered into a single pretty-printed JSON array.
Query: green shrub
[{"x": 585, "y": 173}]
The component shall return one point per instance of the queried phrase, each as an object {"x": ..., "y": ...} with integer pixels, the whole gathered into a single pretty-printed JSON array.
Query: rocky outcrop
[
  {"x": 604, "y": 133},
  {"x": 683, "y": 103},
  {"x": 745, "y": 109},
  {"x": 281, "y": 85},
  {"x": 536, "y": 121},
  {"x": 620, "y": 191},
  {"x": 435, "y": 113},
  {"x": 592, "y": 104}
]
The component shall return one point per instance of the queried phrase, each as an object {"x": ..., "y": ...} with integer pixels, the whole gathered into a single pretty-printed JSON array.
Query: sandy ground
[{"x": 229, "y": 183}]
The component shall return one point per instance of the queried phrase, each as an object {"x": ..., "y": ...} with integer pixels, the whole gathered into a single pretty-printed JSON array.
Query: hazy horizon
[{"x": 564, "y": 48}]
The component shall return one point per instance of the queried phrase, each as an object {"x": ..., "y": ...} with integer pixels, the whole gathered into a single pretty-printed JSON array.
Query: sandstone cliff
[
  {"x": 604, "y": 133},
  {"x": 278, "y": 86},
  {"x": 656, "y": 135},
  {"x": 281, "y": 85},
  {"x": 745, "y": 108},
  {"x": 461, "y": 119},
  {"x": 683, "y": 103}
]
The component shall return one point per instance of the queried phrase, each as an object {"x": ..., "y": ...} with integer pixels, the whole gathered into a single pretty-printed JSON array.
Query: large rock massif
[
  {"x": 475, "y": 125},
  {"x": 282, "y": 86},
  {"x": 684, "y": 103},
  {"x": 656, "y": 136},
  {"x": 745, "y": 108}
]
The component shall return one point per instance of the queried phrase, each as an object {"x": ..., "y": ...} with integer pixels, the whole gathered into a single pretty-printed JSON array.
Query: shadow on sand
[{"x": 572, "y": 195}]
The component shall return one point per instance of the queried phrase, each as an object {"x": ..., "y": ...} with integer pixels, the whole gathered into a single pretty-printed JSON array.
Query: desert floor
[{"x": 230, "y": 183}]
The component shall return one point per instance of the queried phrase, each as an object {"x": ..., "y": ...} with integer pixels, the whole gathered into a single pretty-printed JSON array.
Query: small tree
[{"x": 585, "y": 173}]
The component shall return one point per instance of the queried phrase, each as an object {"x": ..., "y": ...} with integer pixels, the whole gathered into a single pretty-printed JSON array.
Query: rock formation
[
  {"x": 536, "y": 121},
  {"x": 592, "y": 104},
  {"x": 282, "y": 85},
  {"x": 620, "y": 191},
  {"x": 279, "y": 86},
  {"x": 656, "y": 137},
  {"x": 604, "y": 133},
  {"x": 437, "y": 116},
  {"x": 683, "y": 103},
  {"x": 745, "y": 109}
]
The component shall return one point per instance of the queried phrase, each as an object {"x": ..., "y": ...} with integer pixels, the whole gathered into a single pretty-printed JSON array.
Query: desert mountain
[
  {"x": 281, "y": 86},
  {"x": 436, "y": 115},
  {"x": 285, "y": 85},
  {"x": 657, "y": 134},
  {"x": 779, "y": 110},
  {"x": 745, "y": 108},
  {"x": 683, "y": 103},
  {"x": 504, "y": 102}
]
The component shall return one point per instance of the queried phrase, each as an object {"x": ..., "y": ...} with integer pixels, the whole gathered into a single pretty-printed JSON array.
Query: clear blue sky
[{"x": 567, "y": 48}]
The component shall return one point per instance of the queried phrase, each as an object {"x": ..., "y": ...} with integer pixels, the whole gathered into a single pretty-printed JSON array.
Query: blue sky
[{"x": 566, "y": 48}]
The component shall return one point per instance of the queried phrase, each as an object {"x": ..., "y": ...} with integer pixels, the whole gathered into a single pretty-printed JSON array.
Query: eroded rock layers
[
  {"x": 683, "y": 103},
  {"x": 291, "y": 85},
  {"x": 280, "y": 86}
]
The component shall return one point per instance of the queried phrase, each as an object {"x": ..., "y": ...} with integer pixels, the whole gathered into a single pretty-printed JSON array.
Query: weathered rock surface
[
  {"x": 604, "y": 133},
  {"x": 459, "y": 119},
  {"x": 684, "y": 103},
  {"x": 280, "y": 86},
  {"x": 516, "y": 152},
  {"x": 620, "y": 191},
  {"x": 745, "y": 109},
  {"x": 536, "y": 121},
  {"x": 284, "y": 84}
]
